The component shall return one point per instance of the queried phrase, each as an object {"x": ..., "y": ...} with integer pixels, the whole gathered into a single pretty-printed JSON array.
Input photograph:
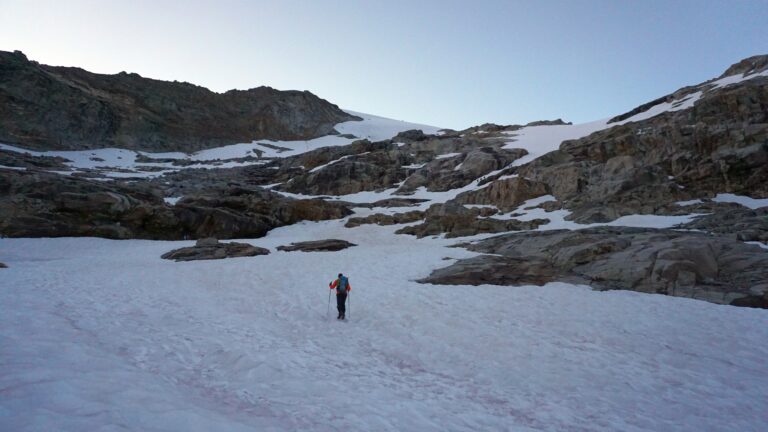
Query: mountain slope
[{"x": 60, "y": 108}]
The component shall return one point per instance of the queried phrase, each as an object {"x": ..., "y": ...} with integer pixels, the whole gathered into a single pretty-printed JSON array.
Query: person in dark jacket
[{"x": 342, "y": 287}]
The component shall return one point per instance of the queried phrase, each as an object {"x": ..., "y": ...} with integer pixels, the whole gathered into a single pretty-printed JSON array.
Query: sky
[{"x": 443, "y": 63}]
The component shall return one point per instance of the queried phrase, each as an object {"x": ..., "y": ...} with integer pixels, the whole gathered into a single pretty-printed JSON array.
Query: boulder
[
  {"x": 331, "y": 245},
  {"x": 211, "y": 248}
]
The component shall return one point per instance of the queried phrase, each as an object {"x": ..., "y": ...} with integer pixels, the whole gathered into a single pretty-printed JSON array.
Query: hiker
[{"x": 342, "y": 288}]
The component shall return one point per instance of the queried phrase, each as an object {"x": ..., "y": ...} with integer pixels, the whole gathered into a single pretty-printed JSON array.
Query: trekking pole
[
  {"x": 349, "y": 302},
  {"x": 328, "y": 310}
]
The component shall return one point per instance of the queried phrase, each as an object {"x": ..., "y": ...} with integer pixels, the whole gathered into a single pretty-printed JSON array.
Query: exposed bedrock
[
  {"x": 38, "y": 204},
  {"x": 457, "y": 221},
  {"x": 714, "y": 268},
  {"x": 719, "y": 145}
]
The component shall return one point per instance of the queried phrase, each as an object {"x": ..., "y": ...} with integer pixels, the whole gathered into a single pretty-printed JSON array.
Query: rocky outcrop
[
  {"x": 398, "y": 202},
  {"x": 557, "y": 122},
  {"x": 454, "y": 172},
  {"x": 718, "y": 145},
  {"x": 40, "y": 204},
  {"x": 25, "y": 160},
  {"x": 3, "y": 265},
  {"x": 736, "y": 222},
  {"x": 331, "y": 245},
  {"x": 718, "y": 269},
  {"x": 351, "y": 174},
  {"x": 60, "y": 108},
  {"x": 747, "y": 66},
  {"x": 458, "y": 221},
  {"x": 506, "y": 193},
  {"x": 211, "y": 248},
  {"x": 385, "y": 219}
]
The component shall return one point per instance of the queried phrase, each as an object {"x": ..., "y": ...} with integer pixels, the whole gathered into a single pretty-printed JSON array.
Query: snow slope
[
  {"x": 103, "y": 335},
  {"x": 119, "y": 163}
]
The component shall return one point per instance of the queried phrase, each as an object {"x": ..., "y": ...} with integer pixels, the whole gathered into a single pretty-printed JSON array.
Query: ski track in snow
[{"x": 104, "y": 334}]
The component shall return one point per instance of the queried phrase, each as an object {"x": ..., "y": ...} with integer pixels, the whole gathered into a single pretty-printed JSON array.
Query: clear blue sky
[{"x": 445, "y": 63}]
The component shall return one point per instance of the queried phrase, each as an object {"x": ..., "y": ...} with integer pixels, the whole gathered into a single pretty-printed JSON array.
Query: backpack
[{"x": 341, "y": 288}]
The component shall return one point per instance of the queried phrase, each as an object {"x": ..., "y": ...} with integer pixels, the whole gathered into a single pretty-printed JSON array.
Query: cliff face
[{"x": 61, "y": 108}]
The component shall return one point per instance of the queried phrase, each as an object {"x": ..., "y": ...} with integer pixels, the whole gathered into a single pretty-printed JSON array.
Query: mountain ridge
[{"x": 69, "y": 108}]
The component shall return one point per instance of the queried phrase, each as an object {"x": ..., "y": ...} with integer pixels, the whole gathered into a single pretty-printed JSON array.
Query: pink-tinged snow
[{"x": 104, "y": 335}]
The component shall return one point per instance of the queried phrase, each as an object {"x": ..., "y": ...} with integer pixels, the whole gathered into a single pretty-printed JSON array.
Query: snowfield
[{"x": 104, "y": 335}]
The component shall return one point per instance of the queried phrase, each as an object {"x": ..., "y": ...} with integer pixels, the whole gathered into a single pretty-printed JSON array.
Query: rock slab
[
  {"x": 211, "y": 248},
  {"x": 715, "y": 268},
  {"x": 330, "y": 245}
]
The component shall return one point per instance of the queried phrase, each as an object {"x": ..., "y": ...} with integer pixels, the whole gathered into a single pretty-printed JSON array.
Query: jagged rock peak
[{"x": 748, "y": 66}]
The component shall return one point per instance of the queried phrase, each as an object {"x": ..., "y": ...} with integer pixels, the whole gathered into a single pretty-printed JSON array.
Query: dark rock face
[
  {"x": 505, "y": 194},
  {"x": 3, "y": 265},
  {"x": 59, "y": 108},
  {"x": 683, "y": 264},
  {"x": 350, "y": 175},
  {"x": 39, "y": 204},
  {"x": 331, "y": 245},
  {"x": 210, "y": 248}
]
